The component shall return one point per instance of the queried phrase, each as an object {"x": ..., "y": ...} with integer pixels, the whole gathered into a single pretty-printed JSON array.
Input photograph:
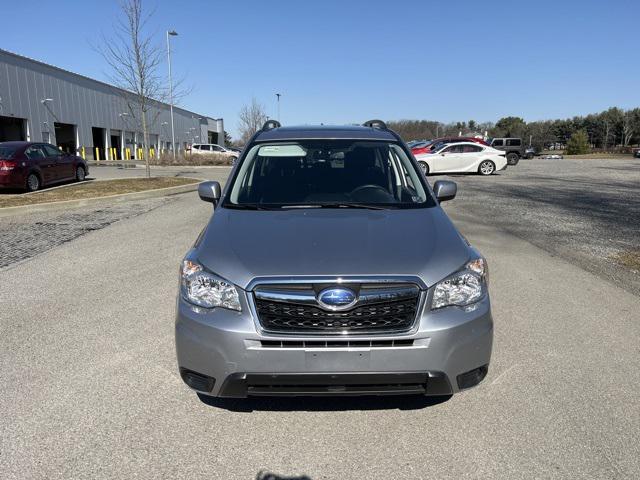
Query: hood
[{"x": 241, "y": 245}]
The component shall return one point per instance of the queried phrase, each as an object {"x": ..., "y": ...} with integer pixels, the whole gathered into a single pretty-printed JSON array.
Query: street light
[
  {"x": 278, "y": 95},
  {"x": 172, "y": 33},
  {"x": 45, "y": 100}
]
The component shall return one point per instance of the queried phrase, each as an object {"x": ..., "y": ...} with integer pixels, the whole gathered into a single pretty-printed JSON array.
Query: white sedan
[{"x": 463, "y": 157}]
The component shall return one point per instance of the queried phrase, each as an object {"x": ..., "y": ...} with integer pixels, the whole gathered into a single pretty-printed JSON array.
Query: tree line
[{"x": 611, "y": 130}]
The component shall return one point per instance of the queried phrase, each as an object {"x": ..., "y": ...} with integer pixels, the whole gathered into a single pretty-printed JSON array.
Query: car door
[
  {"x": 64, "y": 163},
  {"x": 498, "y": 143},
  {"x": 43, "y": 164},
  {"x": 469, "y": 157},
  {"x": 448, "y": 159}
]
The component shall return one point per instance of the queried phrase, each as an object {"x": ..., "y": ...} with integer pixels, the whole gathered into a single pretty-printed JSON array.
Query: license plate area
[{"x": 336, "y": 361}]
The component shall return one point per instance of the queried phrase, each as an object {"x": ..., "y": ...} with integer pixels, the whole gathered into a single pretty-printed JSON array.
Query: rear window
[
  {"x": 7, "y": 152},
  {"x": 471, "y": 149},
  {"x": 513, "y": 142}
]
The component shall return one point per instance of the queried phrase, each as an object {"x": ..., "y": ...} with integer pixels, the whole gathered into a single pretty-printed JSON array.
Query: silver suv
[{"x": 327, "y": 268}]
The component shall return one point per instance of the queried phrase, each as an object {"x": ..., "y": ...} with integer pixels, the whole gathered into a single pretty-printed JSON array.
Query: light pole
[
  {"x": 278, "y": 95},
  {"x": 172, "y": 33}
]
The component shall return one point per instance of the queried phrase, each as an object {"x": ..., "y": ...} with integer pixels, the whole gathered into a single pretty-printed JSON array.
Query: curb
[{"x": 83, "y": 202}]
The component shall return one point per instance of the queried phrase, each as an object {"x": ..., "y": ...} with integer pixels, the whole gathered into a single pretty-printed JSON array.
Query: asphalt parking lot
[
  {"x": 586, "y": 211},
  {"x": 89, "y": 387}
]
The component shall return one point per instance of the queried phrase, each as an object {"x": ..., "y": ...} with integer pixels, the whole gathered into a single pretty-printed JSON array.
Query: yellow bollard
[
  {"x": 83, "y": 157},
  {"x": 97, "y": 154},
  {"x": 127, "y": 152}
]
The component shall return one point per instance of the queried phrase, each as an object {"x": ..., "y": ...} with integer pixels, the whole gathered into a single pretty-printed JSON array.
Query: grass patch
[
  {"x": 630, "y": 258},
  {"x": 95, "y": 189},
  {"x": 201, "y": 159}
]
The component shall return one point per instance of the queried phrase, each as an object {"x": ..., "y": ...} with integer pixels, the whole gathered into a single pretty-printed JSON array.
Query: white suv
[{"x": 205, "y": 148}]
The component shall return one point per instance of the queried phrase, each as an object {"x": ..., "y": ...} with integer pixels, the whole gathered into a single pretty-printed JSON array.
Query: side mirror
[
  {"x": 209, "y": 192},
  {"x": 445, "y": 190}
]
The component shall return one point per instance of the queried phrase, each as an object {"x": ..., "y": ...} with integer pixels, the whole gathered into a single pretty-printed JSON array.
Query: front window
[{"x": 328, "y": 173}]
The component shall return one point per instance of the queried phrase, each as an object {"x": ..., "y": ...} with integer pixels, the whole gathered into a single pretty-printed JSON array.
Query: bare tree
[
  {"x": 628, "y": 127},
  {"x": 251, "y": 119},
  {"x": 134, "y": 60}
]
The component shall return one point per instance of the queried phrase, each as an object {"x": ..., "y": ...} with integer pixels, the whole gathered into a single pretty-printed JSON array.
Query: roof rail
[
  {"x": 270, "y": 124},
  {"x": 375, "y": 124}
]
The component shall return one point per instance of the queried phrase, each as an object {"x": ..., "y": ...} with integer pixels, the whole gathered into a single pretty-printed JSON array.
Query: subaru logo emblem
[{"x": 337, "y": 298}]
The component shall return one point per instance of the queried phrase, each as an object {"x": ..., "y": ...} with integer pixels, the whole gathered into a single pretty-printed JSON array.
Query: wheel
[
  {"x": 512, "y": 158},
  {"x": 80, "y": 173},
  {"x": 33, "y": 182},
  {"x": 529, "y": 156},
  {"x": 424, "y": 166},
  {"x": 487, "y": 167}
]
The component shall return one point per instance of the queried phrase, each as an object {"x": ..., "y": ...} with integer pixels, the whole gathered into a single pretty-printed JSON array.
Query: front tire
[
  {"x": 80, "y": 174},
  {"x": 487, "y": 167},
  {"x": 424, "y": 166},
  {"x": 33, "y": 182},
  {"x": 513, "y": 158}
]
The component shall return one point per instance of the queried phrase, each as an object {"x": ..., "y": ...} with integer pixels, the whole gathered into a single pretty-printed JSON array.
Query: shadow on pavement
[{"x": 323, "y": 404}]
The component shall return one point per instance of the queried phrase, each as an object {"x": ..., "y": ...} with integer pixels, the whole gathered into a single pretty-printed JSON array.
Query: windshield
[
  {"x": 7, "y": 152},
  {"x": 438, "y": 146},
  {"x": 328, "y": 173}
]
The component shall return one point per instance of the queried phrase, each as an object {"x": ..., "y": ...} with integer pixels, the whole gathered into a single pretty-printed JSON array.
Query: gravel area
[
  {"x": 586, "y": 211},
  {"x": 24, "y": 237}
]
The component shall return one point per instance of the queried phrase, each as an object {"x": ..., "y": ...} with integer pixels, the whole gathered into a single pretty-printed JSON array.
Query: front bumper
[{"x": 221, "y": 353}]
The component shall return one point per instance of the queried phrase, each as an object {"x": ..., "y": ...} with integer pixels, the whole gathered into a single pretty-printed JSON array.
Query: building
[{"x": 43, "y": 103}]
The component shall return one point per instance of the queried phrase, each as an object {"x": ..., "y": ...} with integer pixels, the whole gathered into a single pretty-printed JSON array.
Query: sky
[{"x": 339, "y": 62}]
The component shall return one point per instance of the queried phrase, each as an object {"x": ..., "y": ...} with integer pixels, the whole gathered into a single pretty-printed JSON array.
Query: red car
[
  {"x": 31, "y": 165},
  {"x": 427, "y": 148}
]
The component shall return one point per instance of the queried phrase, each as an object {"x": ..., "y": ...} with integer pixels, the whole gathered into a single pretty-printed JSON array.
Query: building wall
[{"x": 86, "y": 103}]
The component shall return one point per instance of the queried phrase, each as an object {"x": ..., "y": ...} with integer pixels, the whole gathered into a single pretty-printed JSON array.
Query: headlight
[
  {"x": 205, "y": 289},
  {"x": 462, "y": 288}
]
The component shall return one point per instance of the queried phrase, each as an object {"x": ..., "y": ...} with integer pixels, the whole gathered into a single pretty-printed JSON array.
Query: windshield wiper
[
  {"x": 354, "y": 205},
  {"x": 250, "y": 206}
]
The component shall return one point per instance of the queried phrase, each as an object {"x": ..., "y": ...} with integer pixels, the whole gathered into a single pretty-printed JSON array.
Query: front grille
[{"x": 397, "y": 315}]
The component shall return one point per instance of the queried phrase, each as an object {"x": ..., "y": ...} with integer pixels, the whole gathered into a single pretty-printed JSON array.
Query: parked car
[
  {"x": 462, "y": 157},
  {"x": 300, "y": 285},
  {"x": 421, "y": 147},
  {"x": 636, "y": 152},
  {"x": 442, "y": 140},
  {"x": 529, "y": 153},
  {"x": 206, "y": 148},
  {"x": 511, "y": 146},
  {"x": 32, "y": 165}
]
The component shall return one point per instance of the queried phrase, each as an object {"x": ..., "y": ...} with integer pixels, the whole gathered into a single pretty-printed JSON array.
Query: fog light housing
[
  {"x": 197, "y": 381},
  {"x": 472, "y": 377}
]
